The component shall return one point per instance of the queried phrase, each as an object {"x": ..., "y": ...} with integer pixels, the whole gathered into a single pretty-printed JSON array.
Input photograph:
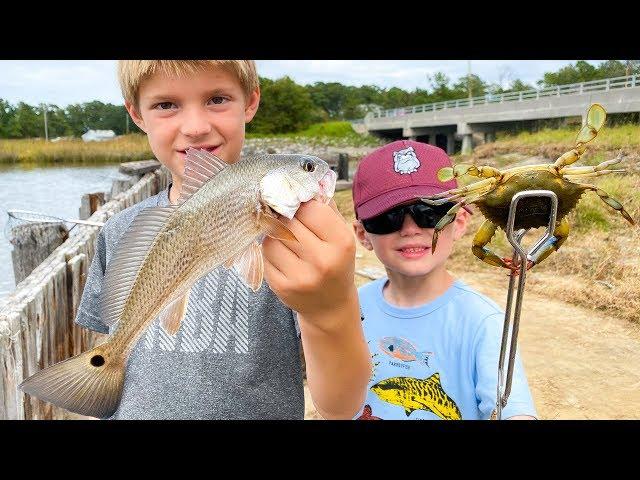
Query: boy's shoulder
[
  {"x": 474, "y": 301},
  {"x": 371, "y": 288}
]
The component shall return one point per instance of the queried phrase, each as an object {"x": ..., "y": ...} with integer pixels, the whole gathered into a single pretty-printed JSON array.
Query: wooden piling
[
  {"x": 32, "y": 244},
  {"x": 37, "y": 326},
  {"x": 89, "y": 203}
]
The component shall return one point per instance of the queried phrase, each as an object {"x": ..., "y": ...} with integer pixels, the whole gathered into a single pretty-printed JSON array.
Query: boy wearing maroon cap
[{"x": 435, "y": 341}]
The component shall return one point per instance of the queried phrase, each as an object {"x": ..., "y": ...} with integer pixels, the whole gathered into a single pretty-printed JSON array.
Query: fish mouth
[{"x": 327, "y": 186}]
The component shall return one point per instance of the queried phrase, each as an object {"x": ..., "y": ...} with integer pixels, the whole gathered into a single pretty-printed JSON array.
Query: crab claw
[{"x": 515, "y": 268}]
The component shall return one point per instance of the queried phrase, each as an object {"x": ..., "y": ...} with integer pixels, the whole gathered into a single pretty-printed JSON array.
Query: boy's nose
[
  {"x": 195, "y": 125},
  {"x": 409, "y": 226}
]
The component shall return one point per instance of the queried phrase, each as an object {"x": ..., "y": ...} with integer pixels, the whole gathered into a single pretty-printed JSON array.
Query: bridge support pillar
[
  {"x": 467, "y": 144},
  {"x": 451, "y": 144}
]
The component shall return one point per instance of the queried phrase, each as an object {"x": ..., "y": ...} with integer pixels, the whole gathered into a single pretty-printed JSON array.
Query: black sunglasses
[{"x": 425, "y": 216}]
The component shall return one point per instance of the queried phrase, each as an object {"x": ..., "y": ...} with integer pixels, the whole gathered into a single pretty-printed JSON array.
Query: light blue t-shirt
[{"x": 438, "y": 360}]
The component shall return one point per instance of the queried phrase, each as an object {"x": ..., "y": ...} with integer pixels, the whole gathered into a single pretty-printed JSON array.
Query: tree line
[{"x": 289, "y": 107}]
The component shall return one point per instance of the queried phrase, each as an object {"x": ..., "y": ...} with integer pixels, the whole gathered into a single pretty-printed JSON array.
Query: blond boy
[{"x": 236, "y": 353}]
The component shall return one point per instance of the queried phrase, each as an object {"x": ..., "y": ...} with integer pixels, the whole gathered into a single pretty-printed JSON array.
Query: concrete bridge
[{"x": 477, "y": 119}]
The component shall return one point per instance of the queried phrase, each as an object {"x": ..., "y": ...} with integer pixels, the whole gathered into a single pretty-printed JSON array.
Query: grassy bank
[
  {"x": 136, "y": 147},
  {"x": 335, "y": 134},
  {"x": 121, "y": 149},
  {"x": 551, "y": 144}
]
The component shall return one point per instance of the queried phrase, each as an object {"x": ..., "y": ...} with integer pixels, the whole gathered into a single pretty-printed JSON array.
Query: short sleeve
[
  {"x": 487, "y": 354},
  {"x": 89, "y": 309}
]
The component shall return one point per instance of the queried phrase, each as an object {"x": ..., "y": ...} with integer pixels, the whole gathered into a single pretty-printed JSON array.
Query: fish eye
[{"x": 308, "y": 166}]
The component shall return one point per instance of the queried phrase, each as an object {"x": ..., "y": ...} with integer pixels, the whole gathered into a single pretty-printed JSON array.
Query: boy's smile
[
  {"x": 414, "y": 250},
  {"x": 203, "y": 110}
]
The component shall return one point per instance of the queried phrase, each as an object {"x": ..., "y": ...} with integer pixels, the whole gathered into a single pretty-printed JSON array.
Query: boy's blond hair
[{"x": 131, "y": 73}]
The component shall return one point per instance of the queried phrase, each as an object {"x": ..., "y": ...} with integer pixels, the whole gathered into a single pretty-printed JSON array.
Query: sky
[{"x": 62, "y": 82}]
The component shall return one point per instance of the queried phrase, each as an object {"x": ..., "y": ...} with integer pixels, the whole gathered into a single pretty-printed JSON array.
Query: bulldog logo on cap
[{"x": 405, "y": 161}]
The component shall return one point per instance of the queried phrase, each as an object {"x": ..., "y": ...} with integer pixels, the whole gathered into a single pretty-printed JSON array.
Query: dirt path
[{"x": 580, "y": 363}]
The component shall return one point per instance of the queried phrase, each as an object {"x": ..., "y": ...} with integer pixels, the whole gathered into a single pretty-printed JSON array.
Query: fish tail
[{"x": 89, "y": 384}]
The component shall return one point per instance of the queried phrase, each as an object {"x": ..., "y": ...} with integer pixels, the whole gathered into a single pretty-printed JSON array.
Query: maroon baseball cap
[{"x": 396, "y": 173}]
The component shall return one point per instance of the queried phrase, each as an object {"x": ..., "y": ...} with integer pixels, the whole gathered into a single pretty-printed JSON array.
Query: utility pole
[
  {"x": 469, "y": 78},
  {"x": 46, "y": 129}
]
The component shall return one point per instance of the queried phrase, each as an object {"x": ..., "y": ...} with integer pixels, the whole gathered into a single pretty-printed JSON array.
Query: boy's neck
[
  {"x": 403, "y": 291},
  {"x": 176, "y": 188}
]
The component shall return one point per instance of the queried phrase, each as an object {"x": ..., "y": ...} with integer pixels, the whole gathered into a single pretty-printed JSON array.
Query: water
[{"x": 54, "y": 190}]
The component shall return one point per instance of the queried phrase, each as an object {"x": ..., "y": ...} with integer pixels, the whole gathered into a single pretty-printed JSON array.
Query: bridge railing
[{"x": 605, "y": 84}]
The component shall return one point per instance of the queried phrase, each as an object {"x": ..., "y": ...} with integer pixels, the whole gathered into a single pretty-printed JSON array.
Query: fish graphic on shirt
[
  {"x": 416, "y": 394},
  {"x": 402, "y": 349}
]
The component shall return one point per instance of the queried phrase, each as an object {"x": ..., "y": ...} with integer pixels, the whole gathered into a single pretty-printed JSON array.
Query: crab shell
[{"x": 532, "y": 212}]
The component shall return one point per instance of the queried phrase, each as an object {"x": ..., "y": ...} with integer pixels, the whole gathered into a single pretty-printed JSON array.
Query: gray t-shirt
[{"x": 236, "y": 355}]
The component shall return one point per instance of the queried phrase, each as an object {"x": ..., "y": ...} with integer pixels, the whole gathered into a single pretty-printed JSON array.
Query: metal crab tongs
[{"x": 518, "y": 254}]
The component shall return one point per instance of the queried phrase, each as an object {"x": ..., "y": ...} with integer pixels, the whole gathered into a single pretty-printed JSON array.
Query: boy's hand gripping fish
[{"x": 223, "y": 213}]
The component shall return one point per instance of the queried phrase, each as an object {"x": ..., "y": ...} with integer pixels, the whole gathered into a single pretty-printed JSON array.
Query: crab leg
[
  {"x": 570, "y": 157},
  {"x": 598, "y": 168},
  {"x": 487, "y": 184},
  {"x": 483, "y": 236},
  {"x": 449, "y": 217},
  {"x": 596, "y": 116},
  {"x": 560, "y": 234},
  {"x": 582, "y": 176},
  {"x": 612, "y": 202}
]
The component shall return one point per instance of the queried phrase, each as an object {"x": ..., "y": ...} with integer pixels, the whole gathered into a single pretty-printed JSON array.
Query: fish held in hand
[{"x": 221, "y": 217}]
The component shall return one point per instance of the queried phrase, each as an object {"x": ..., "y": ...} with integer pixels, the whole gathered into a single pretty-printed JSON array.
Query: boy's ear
[
  {"x": 460, "y": 224},
  {"x": 361, "y": 235},
  {"x": 252, "y": 105},
  {"x": 135, "y": 116}
]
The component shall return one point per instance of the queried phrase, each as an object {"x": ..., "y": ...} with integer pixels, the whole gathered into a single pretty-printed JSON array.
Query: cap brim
[{"x": 388, "y": 200}]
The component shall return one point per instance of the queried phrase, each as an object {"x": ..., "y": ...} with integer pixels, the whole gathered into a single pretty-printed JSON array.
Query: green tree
[
  {"x": 440, "y": 86},
  {"x": 284, "y": 107},
  {"x": 7, "y": 111},
  {"x": 25, "y": 122},
  {"x": 57, "y": 122},
  {"x": 396, "y": 97},
  {"x": 461, "y": 87},
  {"x": 331, "y": 97},
  {"x": 75, "y": 119},
  {"x": 580, "y": 72}
]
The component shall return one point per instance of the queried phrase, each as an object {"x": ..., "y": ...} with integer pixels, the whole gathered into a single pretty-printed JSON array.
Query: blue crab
[{"x": 493, "y": 195}]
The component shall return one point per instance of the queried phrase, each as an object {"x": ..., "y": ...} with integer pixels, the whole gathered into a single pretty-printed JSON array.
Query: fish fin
[
  {"x": 250, "y": 266},
  {"x": 408, "y": 411},
  {"x": 200, "y": 166},
  {"x": 435, "y": 378},
  {"x": 89, "y": 384},
  {"x": 131, "y": 252},
  {"x": 275, "y": 228},
  {"x": 174, "y": 313}
]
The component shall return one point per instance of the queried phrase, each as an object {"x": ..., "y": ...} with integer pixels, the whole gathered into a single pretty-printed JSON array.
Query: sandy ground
[{"x": 580, "y": 363}]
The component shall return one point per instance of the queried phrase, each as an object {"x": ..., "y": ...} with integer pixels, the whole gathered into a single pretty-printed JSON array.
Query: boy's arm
[
  {"x": 316, "y": 278},
  {"x": 487, "y": 353},
  {"x": 89, "y": 309}
]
